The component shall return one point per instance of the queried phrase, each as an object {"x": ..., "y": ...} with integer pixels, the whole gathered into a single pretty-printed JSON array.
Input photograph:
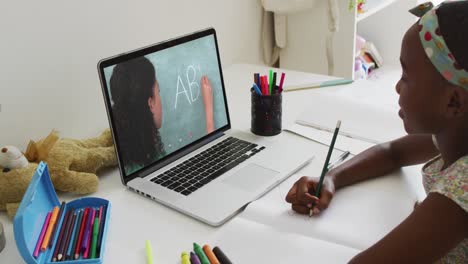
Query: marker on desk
[
  {"x": 325, "y": 165},
  {"x": 149, "y": 252},
  {"x": 53, "y": 219},
  {"x": 201, "y": 255},
  {"x": 280, "y": 89},
  {"x": 211, "y": 256},
  {"x": 221, "y": 256},
  {"x": 257, "y": 90},
  {"x": 42, "y": 234},
  {"x": 194, "y": 258},
  {"x": 185, "y": 258}
]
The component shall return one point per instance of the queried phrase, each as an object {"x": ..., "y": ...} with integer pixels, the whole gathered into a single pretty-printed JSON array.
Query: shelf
[{"x": 373, "y": 6}]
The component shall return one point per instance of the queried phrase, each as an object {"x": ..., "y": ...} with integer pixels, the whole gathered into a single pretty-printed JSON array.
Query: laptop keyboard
[{"x": 206, "y": 166}]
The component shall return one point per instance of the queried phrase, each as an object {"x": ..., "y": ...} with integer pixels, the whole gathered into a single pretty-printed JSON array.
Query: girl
[{"x": 433, "y": 99}]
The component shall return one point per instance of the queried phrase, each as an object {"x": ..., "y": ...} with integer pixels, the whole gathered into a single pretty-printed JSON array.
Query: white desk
[{"x": 378, "y": 205}]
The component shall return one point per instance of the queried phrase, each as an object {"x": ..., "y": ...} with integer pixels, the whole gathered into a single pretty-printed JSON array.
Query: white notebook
[
  {"x": 245, "y": 241},
  {"x": 377, "y": 205},
  {"x": 359, "y": 121}
]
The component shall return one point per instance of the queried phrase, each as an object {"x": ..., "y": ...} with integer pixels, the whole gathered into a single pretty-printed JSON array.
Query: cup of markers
[{"x": 266, "y": 104}]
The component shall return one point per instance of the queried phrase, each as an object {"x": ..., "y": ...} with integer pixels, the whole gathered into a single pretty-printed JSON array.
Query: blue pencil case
[{"x": 40, "y": 199}]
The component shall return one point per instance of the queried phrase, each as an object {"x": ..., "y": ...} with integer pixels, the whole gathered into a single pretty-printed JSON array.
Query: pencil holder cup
[{"x": 266, "y": 113}]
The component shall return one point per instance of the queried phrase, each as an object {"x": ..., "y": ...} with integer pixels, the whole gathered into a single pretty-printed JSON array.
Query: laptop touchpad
[{"x": 251, "y": 177}]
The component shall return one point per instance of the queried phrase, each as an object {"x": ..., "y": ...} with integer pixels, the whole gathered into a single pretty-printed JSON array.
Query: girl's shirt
[{"x": 451, "y": 182}]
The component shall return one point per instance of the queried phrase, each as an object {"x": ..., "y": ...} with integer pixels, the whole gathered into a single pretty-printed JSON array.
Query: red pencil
[{"x": 80, "y": 237}]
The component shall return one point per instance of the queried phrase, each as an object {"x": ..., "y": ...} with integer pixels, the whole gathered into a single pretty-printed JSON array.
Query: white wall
[{"x": 49, "y": 50}]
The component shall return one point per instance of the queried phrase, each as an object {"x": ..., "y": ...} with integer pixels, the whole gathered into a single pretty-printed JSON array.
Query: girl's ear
[
  {"x": 151, "y": 104},
  {"x": 458, "y": 102}
]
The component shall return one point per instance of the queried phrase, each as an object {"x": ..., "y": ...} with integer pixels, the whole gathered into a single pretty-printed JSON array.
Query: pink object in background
[{"x": 360, "y": 42}]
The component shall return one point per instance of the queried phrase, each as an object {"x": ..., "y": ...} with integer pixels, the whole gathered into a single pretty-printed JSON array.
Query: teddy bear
[{"x": 72, "y": 166}]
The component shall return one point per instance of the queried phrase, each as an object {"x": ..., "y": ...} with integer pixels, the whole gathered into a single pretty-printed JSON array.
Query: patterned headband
[{"x": 435, "y": 47}]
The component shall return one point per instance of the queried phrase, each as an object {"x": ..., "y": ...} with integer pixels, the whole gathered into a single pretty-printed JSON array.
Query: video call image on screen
[{"x": 151, "y": 123}]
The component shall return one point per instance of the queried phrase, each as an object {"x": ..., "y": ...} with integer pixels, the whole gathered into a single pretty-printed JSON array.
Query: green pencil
[
  {"x": 325, "y": 165},
  {"x": 94, "y": 239}
]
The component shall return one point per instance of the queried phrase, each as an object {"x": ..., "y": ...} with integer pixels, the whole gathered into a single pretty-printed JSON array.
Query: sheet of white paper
[
  {"x": 244, "y": 241},
  {"x": 358, "y": 216},
  {"x": 342, "y": 143},
  {"x": 358, "y": 120}
]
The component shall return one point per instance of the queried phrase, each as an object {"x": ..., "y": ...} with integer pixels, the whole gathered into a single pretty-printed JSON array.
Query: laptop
[{"x": 169, "y": 119}]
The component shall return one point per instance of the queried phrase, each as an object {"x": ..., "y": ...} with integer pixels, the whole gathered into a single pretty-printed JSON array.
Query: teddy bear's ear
[
  {"x": 46, "y": 145},
  {"x": 39, "y": 151},
  {"x": 31, "y": 151}
]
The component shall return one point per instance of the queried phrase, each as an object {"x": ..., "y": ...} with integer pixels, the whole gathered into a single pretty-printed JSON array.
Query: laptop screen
[{"x": 164, "y": 99}]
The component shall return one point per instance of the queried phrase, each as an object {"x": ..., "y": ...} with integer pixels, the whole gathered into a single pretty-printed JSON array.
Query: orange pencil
[
  {"x": 52, "y": 221},
  {"x": 211, "y": 256}
]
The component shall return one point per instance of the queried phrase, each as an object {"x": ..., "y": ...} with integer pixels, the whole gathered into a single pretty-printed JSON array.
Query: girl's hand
[
  {"x": 302, "y": 197},
  {"x": 207, "y": 94}
]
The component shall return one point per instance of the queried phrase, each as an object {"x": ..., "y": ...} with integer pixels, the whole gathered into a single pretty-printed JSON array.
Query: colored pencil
[
  {"x": 88, "y": 234},
  {"x": 325, "y": 165},
  {"x": 60, "y": 237},
  {"x": 41, "y": 235},
  {"x": 66, "y": 236},
  {"x": 95, "y": 237},
  {"x": 75, "y": 230},
  {"x": 59, "y": 217},
  {"x": 71, "y": 253},
  {"x": 80, "y": 236},
  {"x": 101, "y": 230},
  {"x": 50, "y": 227}
]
